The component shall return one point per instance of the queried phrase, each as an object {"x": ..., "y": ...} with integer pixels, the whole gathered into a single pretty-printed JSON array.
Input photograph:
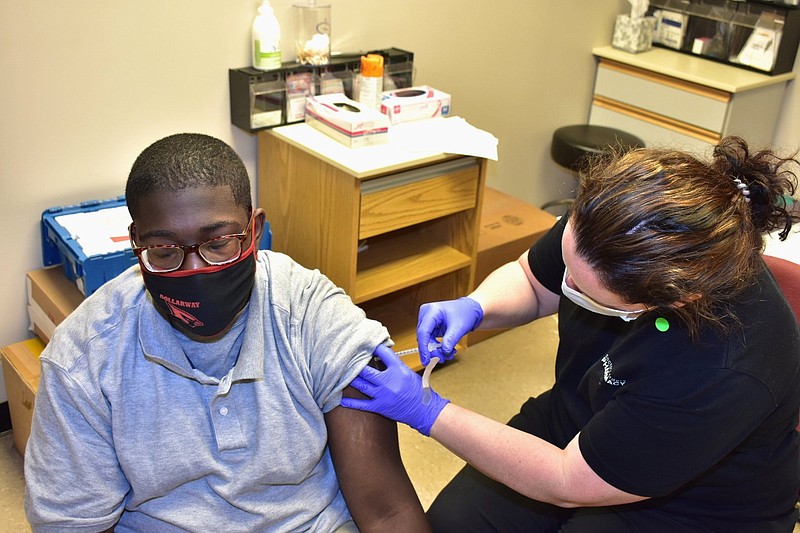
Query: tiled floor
[{"x": 12, "y": 484}]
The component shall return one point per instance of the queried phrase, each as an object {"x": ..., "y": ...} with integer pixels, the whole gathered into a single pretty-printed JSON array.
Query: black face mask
[{"x": 203, "y": 302}]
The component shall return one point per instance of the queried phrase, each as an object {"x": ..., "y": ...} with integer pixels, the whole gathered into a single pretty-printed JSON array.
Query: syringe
[
  {"x": 407, "y": 352},
  {"x": 431, "y": 347}
]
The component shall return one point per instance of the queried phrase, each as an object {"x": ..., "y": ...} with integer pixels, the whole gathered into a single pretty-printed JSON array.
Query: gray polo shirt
[{"x": 127, "y": 429}]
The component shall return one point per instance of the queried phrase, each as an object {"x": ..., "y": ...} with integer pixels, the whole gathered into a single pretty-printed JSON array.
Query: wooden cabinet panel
[
  {"x": 312, "y": 208},
  {"x": 399, "y": 201}
]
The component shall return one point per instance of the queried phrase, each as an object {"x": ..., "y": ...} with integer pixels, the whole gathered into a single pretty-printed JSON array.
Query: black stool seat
[{"x": 572, "y": 144}]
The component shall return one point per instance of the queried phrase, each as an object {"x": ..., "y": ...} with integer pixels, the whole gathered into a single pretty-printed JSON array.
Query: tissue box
[
  {"x": 414, "y": 103},
  {"x": 349, "y": 122},
  {"x": 633, "y": 35}
]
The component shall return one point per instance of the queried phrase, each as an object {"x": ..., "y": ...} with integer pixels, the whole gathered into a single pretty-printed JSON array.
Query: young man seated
[{"x": 200, "y": 390}]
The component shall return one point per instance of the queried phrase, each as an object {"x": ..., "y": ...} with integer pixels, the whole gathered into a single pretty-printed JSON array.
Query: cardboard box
[
  {"x": 349, "y": 122},
  {"x": 509, "y": 227},
  {"x": 414, "y": 103},
  {"x": 22, "y": 370},
  {"x": 51, "y": 297}
]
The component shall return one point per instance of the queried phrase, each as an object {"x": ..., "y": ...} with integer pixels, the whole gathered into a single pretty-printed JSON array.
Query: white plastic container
[{"x": 266, "y": 39}]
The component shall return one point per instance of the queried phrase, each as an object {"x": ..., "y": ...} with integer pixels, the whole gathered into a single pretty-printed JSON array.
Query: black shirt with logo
[{"x": 705, "y": 427}]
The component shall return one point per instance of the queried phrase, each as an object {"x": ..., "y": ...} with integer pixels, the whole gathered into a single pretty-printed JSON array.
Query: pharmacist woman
[{"x": 678, "y": 368}]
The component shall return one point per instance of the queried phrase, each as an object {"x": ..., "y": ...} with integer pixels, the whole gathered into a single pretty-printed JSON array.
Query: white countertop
[
  {"x": 362, "y": 162},
  {"x": 693, "y": 69}
]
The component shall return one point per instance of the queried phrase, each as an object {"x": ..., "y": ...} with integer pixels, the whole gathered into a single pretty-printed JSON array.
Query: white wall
[
  {"x": 86, "y": 85},
  {"x": 787, "y": 132}
]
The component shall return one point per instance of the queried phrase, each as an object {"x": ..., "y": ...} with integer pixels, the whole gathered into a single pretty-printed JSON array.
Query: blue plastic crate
[
  {"x": 266, "y": 237},
  {"x": 60, "y": 247},
  {"x": 90, "y": 272}
]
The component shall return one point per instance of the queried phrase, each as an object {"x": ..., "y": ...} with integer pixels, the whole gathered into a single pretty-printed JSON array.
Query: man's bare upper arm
[{"x": 373, "y": 480}]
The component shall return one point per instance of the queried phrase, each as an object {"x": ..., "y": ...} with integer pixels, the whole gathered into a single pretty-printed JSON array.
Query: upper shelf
[{"x": 694, "y": 69}]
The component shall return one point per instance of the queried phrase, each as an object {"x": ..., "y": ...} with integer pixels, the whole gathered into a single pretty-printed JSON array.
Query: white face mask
[{"x": 587, "y": 303}]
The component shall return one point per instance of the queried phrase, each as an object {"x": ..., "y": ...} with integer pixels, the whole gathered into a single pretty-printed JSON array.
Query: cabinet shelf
[
  {"x": 396, "y": 262},
  {"x": 728, "y": 27}
]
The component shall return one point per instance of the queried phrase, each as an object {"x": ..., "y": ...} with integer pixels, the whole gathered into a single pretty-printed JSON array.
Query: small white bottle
[
  {"x": 371, "y": 81},
  {"x": 266, "y": 39}
]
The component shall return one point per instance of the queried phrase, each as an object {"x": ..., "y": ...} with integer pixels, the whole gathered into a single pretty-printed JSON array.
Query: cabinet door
[
  {"x": 674, "y": 99},
  {"x": 651, "y": 131},
  {"x": 312, "y": 207}
]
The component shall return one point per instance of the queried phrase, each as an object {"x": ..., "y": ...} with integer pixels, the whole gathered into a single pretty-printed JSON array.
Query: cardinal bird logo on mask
[{"x": 185, "y": 317}]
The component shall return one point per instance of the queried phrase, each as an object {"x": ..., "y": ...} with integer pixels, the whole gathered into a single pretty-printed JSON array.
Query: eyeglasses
[{"x": 161, "y": 258}]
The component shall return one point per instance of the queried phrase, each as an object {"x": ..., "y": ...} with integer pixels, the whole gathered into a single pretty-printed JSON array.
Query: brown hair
[{"x": 663, "y": 228}]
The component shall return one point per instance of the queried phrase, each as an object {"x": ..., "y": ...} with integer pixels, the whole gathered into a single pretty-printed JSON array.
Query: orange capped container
[
  {"x": 371, "y": 81},
  {"x": 372, "y": 66}
]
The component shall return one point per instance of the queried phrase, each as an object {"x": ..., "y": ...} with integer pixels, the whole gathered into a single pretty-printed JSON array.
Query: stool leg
[{"x": 564, "y": 202}]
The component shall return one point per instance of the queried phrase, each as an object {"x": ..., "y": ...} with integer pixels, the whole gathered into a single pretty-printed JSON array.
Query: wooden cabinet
[
  {"x": 672, "y": 99},
  {"x": 393, "y": 228}
]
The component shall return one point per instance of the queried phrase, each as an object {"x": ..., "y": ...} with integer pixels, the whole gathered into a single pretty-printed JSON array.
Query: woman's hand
[
  {"x": 396, "y": 393},
  {"x": 450, "y": 320}
]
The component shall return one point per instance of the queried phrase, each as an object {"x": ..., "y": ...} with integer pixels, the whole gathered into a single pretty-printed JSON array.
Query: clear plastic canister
[{"x": 312, "y": 27}]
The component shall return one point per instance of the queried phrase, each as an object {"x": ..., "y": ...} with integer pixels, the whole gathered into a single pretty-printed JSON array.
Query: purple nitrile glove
[
  {"x": 395, "y": 393},
  {"x": 450, "y": 320}
]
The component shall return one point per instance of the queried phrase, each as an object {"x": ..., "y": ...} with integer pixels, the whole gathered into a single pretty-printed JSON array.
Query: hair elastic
[{"x": 743, "y": 188}]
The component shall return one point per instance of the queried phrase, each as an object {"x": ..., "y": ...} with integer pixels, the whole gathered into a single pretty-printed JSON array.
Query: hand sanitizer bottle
[{"x": 266, "y": 39}]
